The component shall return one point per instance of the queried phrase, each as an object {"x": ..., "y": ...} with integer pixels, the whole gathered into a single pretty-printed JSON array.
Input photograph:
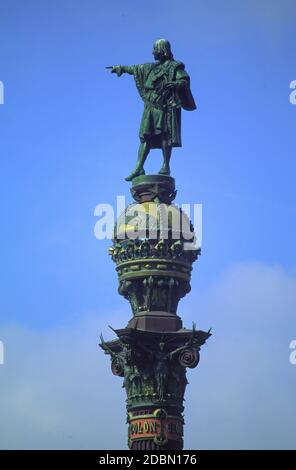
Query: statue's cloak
[
  {"x": 147, "y": 74},
  {"x": 162, "y": 105}
]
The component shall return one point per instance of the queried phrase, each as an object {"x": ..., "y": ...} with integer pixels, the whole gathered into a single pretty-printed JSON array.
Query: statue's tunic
[{"x": 162, "y": 106}]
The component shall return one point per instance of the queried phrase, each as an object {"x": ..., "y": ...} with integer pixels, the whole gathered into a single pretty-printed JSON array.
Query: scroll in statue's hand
[{"x": 171, "y": 85}]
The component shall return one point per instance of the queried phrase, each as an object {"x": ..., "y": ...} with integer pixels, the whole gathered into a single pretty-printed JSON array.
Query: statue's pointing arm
[
  {"x": 139, "y": 72},
  {"x": 120, "y": 69}
]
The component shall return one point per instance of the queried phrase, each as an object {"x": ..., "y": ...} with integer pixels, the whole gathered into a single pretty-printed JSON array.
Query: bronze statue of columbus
[{"x": 164, "y": 86}]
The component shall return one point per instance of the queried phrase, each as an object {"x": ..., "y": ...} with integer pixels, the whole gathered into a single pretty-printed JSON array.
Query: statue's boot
[
  {"x": 139, "y": 170},
  {"x": 135, "y": 173},
  {"x": 165, "y": 169}
]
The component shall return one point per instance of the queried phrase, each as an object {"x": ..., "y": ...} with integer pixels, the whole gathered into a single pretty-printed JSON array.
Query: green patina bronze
[
  {"x": 154, "y": 272},
  {"x": 154, "y": 248},
  {"x": 153, "y": 351},
  {"x": 164, "y": 86},
  {"x": 153, "y": 366}
]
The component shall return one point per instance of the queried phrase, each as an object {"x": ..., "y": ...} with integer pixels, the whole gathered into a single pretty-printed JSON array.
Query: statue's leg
[
  {"x": 166, "y": 152},
  {"x": 144, "y": 149}
]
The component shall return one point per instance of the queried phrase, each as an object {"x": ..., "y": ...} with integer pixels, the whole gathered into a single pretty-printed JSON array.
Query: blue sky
[{"x": 69, "y": 136}]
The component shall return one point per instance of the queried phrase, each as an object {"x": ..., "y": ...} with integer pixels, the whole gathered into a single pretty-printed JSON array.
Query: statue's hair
[{"x": 163, "y": 46}]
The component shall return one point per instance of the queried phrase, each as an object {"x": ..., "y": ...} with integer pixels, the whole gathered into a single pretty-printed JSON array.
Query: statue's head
[{"x": 162, "y": 50}]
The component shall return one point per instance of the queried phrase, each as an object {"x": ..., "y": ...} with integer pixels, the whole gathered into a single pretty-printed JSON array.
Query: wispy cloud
[
  {"x": 242, "y": 396},
  {"x": 57, "y": 390}
]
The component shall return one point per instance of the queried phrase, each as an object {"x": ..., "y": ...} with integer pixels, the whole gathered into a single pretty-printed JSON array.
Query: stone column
[{"x": 153, "y": 351}]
